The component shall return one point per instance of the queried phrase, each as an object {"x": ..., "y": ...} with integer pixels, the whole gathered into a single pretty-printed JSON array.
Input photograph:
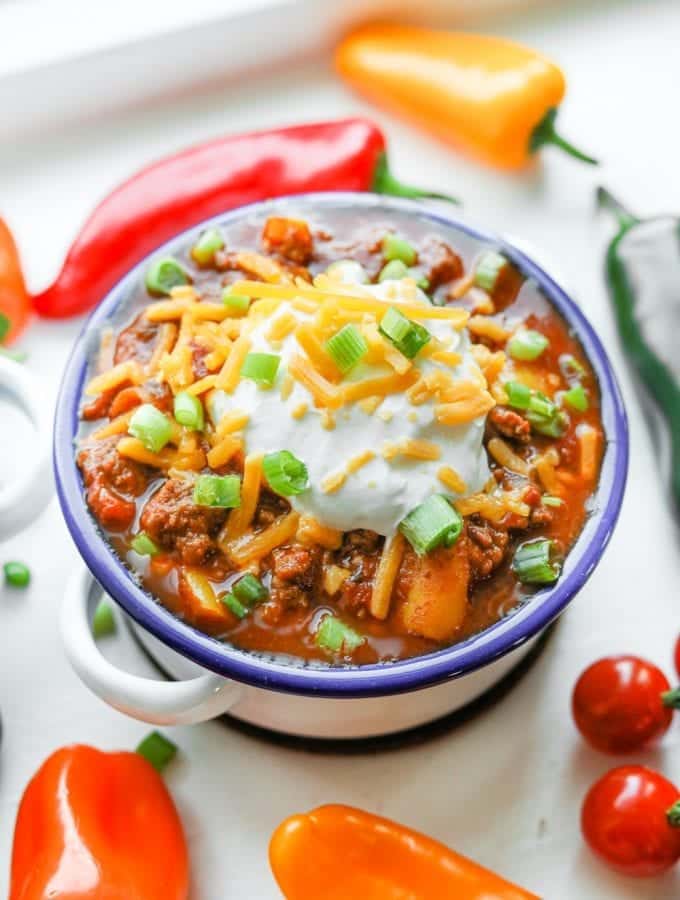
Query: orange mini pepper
[
  {"x": 493, "y": 98},
  {"x": 98, "y": 826},
  {"x": 15, "y": 304},
  {"x": 341, "y": 853}
]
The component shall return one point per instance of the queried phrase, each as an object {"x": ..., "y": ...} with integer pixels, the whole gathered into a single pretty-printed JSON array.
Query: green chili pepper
[{"x": 643, "y": 276}]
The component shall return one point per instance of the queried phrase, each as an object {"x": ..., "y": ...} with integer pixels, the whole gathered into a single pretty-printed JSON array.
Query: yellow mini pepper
[{"x": 495, "y": 99}]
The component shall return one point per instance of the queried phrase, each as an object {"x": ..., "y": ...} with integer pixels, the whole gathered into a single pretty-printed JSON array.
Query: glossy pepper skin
[
  {"x": 642, "y": 270},
  {"x": 15, "y": 303},
  {"x": 342, "y": 853},
  {"x": 210, "y": 178},
  {"x": 98, "y": 826},
  {"x": 491, "y": 97}
]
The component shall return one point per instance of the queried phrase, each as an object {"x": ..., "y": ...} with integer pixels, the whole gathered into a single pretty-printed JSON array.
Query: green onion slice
[
  {"x": 549, "y": 500},
  {"x": 519, "y": 395},
  {"x": 234, "y": 605},
  {"x": 5, "y": 325},
  {"x": 285, "y": 473},
  {"x": 332, "y": 634},
  {"x": 527, "y": 345},
  {"x": 488, "y": 269},
  {"x": 103, "y": 621},
  {"x": 261, "y": 368},
  {"x": 346, "y": 347},
  {"x": 218, "y": 490},
  {"x": 157, "y": 749},
  {"x": 407, "y": 336},
  {"x": 249, "y": 589},
  {"x": 571, "y": 367},
  {"x": 532, "y": 563},
  {"x": 16, "y": 574},
  {"x": 394, "y": 270},
  {"x": 206, "y": 246},
  {"x": 237, "y": 304},
  {"x": 188, "y": 411},
  {"x": 432, "y": 524},
  {"x": 143, "y": 545},
  {"x": 164, "y": 274},
  {"x": 149, "y": 425},
  {"x": 398, "y": 248},
  {"x": 577, "y": 398}
]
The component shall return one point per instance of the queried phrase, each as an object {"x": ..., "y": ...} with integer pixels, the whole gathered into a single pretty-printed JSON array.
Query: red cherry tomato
[
  {"x": 618, "y": 705},
  {"x": 677, "y": 656},
  {"x": 625, "y": 820}
]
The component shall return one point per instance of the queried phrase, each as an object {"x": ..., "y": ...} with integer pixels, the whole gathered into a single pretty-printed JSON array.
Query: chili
[
  {"x": 494, "y": 98},
  {"x": 185, "y": 188},
  {"x": 15, "y": 303}
]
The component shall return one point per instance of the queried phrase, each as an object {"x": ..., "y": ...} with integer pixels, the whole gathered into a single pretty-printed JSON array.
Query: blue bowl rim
[{"x": 370, "y": 680}]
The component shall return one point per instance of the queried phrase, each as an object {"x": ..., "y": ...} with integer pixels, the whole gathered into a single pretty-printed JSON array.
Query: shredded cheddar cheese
[
  {"x": 386, "y": 574},
  {"x": 452, "y": 480}
]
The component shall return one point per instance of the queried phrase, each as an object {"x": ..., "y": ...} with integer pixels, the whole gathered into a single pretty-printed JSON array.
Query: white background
[{"x": 505, "y": 788}]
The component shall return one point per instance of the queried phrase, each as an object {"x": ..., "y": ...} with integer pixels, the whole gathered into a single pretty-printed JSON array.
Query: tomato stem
[
  {"x": 671, "y": 698},
  {"x": 673, "y": 815}
]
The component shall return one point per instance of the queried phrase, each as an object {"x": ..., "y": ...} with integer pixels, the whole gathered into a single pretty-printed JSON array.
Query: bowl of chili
[{"x": 273, "y": 606}]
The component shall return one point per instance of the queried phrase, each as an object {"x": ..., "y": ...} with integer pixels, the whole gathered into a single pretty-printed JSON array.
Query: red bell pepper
[
  {"x": 15, "y": 303},
  {"x": 184, "y": 189},
  {"x": 98, "y": 826}
]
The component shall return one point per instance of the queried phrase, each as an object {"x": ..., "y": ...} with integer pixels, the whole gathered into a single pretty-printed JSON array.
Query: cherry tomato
[
  {"x": 622, "y": 703},
  {"x": 626, "y": 820},
  {"x": 677, "y": 656}
]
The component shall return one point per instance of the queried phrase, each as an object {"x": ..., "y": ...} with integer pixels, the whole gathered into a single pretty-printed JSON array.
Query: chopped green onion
[
  {"x": 394, "y": 270},
  {"x": 5, "y": 325},
  {"x": 16, "y": 574},
  {"x": 532, "y": 563},
  {"x": 149, "y": 425},
  {"x": 218, "y": 490},
  {"x": 407, "y": 336},
  {"x": 234, "y": 605},
  {"x": 346, "y": 347},
  {"x": 433, "y": 523},
  {"x": 103, "y": 621},
  {"x": 157, "y": 749},
  {"x": 249, "y": 589},
  {"x": 541, "y": 405},
  {"x": 332, "y": 634},
  {"x": 206, "y": 247},
  {"x": 421, "y": 281},
  {"x": 347, "y": 271},
  {"x": 551, "y": 426},
  {"x": 261, "y": 367},
  {"x": 189, "y": 411},
  {"x": 398, "y": 248},
  {"x": 285, "y": 473},
  {"x": 527, "y": 344},
  {"x": 165, "y": 274},
  {"x": 519, "y": 395},
  {"x": 571, "y": 367},
  {"x": 143, "y": 545},
  {"x": 548, "y": 500},
  {"x": 237, "y": 304},
  {"x": 488, "y": 269},
  {"x": 577, "y": 398}
]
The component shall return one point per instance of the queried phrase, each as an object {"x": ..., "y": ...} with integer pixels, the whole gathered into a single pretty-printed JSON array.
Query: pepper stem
[
  {"x": 545, "y": 133},
  {"x": 605, "y": 200},
  {"x": 384, "y": 182},
  {"x": 673, "y": 815},
  {"x": 671, "y": 698}
]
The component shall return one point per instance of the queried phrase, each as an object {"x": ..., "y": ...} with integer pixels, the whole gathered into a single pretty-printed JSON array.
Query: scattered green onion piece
[
  {"x": 551, "y": 426},
  {"x": 398, "y": 248},
  {"x": 157, "y": 749},
  {"x": 237, "y": 304},
  {"x": 103, "y": 621},
  {"x": 571, "y": 367},
  {"x": 431, "y": 524},
  {"x": 421, "y": 281},
  {"x": 488, "y": 269},
  {"x": 143, "y": 545},
  {"x": 164, "y": 274},
  {"x": 519, "y": 395},
  {"x": 149, "y": 425},
  {"x": 532, "y": 563},
  {"x": 541, "y": 405},
  {"x": 206, "y": 246},
  {"x": 235, "y": 606},
  {"x": 285, "y": 473},
  {"x": 394, "y": 270},
  {"x": 346, "y": 347},
  {"x": 261, "y": 368},
  {"x": 16, "y": 355},
  {"x": 5, "y": 325},
  {"x": 17, "y": 574},
  {"x": 548, "y": 500},
  {"x": 527, "y": 345},
  {"x": 188, "y": 411},
  {"x": 407, "y": 336},
  {"x": 218, "y": 490},
  {"x": 249, "y": 589},
  {"x": 347, "y": 271},
  {"x": 577, "y": 398},
  {"x": 332, "y": 634}
]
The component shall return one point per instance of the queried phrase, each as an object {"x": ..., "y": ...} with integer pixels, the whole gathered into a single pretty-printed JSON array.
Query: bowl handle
[
  {"x": 158, "y": 702},
  {"x": 24, "y": 497}
]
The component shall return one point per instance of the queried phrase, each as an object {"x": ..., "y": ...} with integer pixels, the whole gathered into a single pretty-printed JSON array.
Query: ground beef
[
  {"x": 540, "y": 517},
  {"x": 137, "y": 341},
  {"x": 111, "y": 481},
  {"x": 289, "y": 238},
  {"x": 362, "y": 539},
  {"x": 269, "y": 508},
  {"x": 175, "y": 522},
  {"x": 295, "y": 572},
  {"x": 100, "y": 406},
  {"x": 198, "y": 355},
  {"x": 487, "y": 546},
  {"x": 510, "y": 424},
  {"x": 438, "y": 262}
]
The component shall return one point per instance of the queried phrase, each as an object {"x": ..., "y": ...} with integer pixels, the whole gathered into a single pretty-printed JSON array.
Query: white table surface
[{"x": 505, "y": 788}]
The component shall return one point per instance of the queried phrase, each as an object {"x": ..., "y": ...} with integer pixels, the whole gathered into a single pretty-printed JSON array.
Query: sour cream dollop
[{"x": 380, "y": 493}]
